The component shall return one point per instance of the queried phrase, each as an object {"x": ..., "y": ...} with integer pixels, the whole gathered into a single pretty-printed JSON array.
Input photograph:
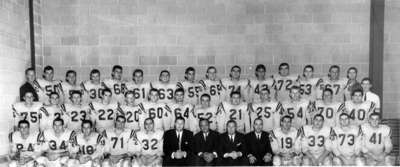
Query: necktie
[
  {"x": 232, "y": 138},
  {"x": 179, "y": 140},
  {"x": 258, "y": 136},
  {"x": 205, "y": 136}
]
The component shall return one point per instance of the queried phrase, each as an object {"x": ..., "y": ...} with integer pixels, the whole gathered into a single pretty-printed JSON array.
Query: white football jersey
[
  {"x": 375, "y": 140},
  {"x": 61, "y": 143},
  {"x": 93, "y": 146},
  {"x": 316, "y": 141},
  {"x": 330, "y": 112},
  {"x": 192, "y": 91},
  {"x": 48, "y": 114},
  {"x": 338, "y": 88},
  {"x": 230, "y": 86},
  {"x": 166, "y": 91},
  {"x": 103, "y": 115},
  {"x": 269, "y": 112},
  {"x": 92, "y": 91},
  {"x": 283, "y": 85},
  {"x": 140, "y": 91},
  {"x": 300, "y": 111},
  {"x": 132, "y": 115},
  {"x": 118, "y": 89},
  {"x": 29, "y": 146},
  {"x": 214, "y": 89},
  {"x": 45, "y": 88},
  {"x": 180, "y": 110},
  {"x": 309, "y": 88},
  {"x": 158, "y": 112},
  {"x": 29, "y": 113},
  {"x": 359, "y": 113},
  {"x": 152, "y": 143},
  {"x": 257, "y": 85},
  {"x": 66, "y": 91},
  {"x": 347, "y": 142},
  {"x": 216, "y": 120},
  {"x": 75, "y": 114},
  {"x": 117, "y": 144},
  {"x": 285, "y": 143},
  {"x": 239, "y": 113}
]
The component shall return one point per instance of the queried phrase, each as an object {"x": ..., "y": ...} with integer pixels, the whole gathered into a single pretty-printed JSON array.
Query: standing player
[
  {"x": 377, "y": 142},
  {"x": 90, "y": 146},
  {"x": 93, "y": 88},
  {"x": 27, "y": 110},
  {"x": 308, "y": 84},
  {"x": 207, "y": 111},
  {"x": 70, "y": 85},
  {"x": 116, "y": 84},
  {"x": 328, "y": 108},
  {"x": 283, "y": 82},
  {"x": 370, "y": 96},
  {"x": 212, "y": 85},
  {"x": 335, "y": 83},
  {"x": 58, "y": 143},
  {"x": 238, "y": 111},
  {"x": 180, "y": 109},
  {"x": 104, "y": 113},
  {"x": 50, "y": 112},
  {"x": 47, "y": 84},
  {"x": 164, "y": 87},
  {"x": 139, "y": 88},
  {"x": 25, "y": 146},
  {"x": 352, "y": 83},
  {"x": 347, "y": 143},
  {"x": 260, "y": 83},
  {"x": 316, "y": 143},
  {"x": 131, "y": 111},
  {"x": 267, "y": 110},
  {"x": 155, "y": 110},
  {"x": 235, "y": 84},
  {"x": 190, "y": 86},
  {"x": 358, "y": 109},
  {"x": 76, "y": 111},
  {"x": 152, "y": 144},
  {"x": 117, "y": 139},
  {"x": 299, "y": 109},
  {"x": 285, "y": 143}
]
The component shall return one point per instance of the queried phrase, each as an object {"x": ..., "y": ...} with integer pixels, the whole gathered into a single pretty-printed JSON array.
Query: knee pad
[
  {"x": 360, "y": 161},
  {"x": 327, "y": 161},
  {"x": 336, "y": 161},
  {"x": 276, "y": 160}
]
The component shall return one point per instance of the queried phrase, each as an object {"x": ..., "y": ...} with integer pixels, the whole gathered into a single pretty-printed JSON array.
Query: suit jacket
[
  {"x": 171, "y": 143},
  {"x": 226, "y": 145},
  {"x": 209, "y": 145},
  {"x": 258, "y": 148}
]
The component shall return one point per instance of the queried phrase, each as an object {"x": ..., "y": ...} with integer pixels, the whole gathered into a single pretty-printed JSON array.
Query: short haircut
[
  {"x": 106, "y": 90},
  {"x": 344, "y": 114},
  {"x": 294, "y": 87},
  {"x": 258, "y": 119},
  {"x": 205, "y": 95},
  {"x": 265, "y": 89},
  {"x": 153, "y": 90},
  {"x": 58, "y": 120},
  {"x": 179, "y": 118},
  {"x": 231, "y": 121},
  {"x": 165, "y": 71},
  {"x": 189, "y": 69},
  {"x": 236, "y": 66},
  {"x": 286, "y": 117},
  {"x": 29, "y": 91},
  {"x": 151, "y": 119},
  {"x": 76, "y": 92},
  {"x": 54, "y": 93},
  {"x": 352, "y": 68},
  {"x": 47, "y": 68},
  {"x": 70, "y": 71},
  {"x": 115, "y": 67},
  {"x": 138, "y": 71},
  {"x": 375, "y": 114},
  {"x": 309, "y": 66},
  {"x": 357, "y": 90},
  {"x": 23, "y": 122},
  {"x": 334, "y": 66},
  {"x": 283, "y": 64},
  {"x": 366, "y": 79},
  {"x": 202, "y": 119},
  {"x": 319, "y": 115},
  {"x": 129, "y": 92},
  {"x": 235, "y": 92},
  {"x": 94, "y": 71},
  {"x": 120, "y": 117},
  {"x": 29, "y": 69},
  {"x": 211, "y": 67},
  {"x": 328, "y": 90},
  {"x": 87, "y": 122},
  {"x": 260, "y": 66},
  {"x": 180, "y": 90}
]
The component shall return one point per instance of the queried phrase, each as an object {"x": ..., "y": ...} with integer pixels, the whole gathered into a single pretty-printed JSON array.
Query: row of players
[
  {"x": 219, "y": 89},
  {"x": 315, "y": 144}
]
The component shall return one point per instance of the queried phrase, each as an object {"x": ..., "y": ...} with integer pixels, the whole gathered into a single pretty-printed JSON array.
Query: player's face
[
  {"x": 138, "y": 77},
  {"x": 204, "y": 126},
  {"x": 30, "y": 76},
  {"x": 95, "y": 77},
  {"x": 318, "y": 122},
  {"x": 130, "y": 99},
  {"x": 284, "y": 71},
  {"x": 264, "y": 96},
  {"x": 179, "y": 124},
  {"x": 231, "y": 128},
  {"x": 334, "y": 73},
  {"x": 308, "y": 72},
  {"x": 149, "y": 125},
  {"x": 258, "y": 125},
  {"x": 58, "y": 127},
  {"x": 205, "y": 102},
  {"x": 107, "y": 97},
  {"x": 153, "y": 96},
  {"x": 286, "y": 124},
  {"x": 327, "y": 96},
  {"x": 235, "y": 73},
  {"x": 164, "y": 77},
  {"x": 48, "y": 75},
  {"x": 366, "y": 85},
  {"x": 28, "y": 98},
  {"x": 235, "y": 99},
  {"x": 24, "y": 128},
  {"x": 295, "y": 94},
  {"x": 190, "y": 75},
  {"x": 352, "y": 74},
  {"x": 344, "y": 121},
  {"x": 120, "y": 123},
  {"x": 76, "y": 98},
  {"x": 71, "y": 78},
  {"x": 374, "y": 121},
  {"x": 117, "y": 74},
  {"x": 260, "y": 73},
  {"x": 179, "y": 96},
  {"x": 212, "y": 74},
  {"x": 54, "y": 99},
  {"x": 86, "y": 129},
  {"x": 357, "y": 97}
]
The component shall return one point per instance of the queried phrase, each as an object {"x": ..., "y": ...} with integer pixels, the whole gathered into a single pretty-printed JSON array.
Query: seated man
[
  {"x": 258, "y": 146},
  {"x": 205, "y": 145},
  {"x": 152, "y": 145},
  {"x": 232, "y": 146}
]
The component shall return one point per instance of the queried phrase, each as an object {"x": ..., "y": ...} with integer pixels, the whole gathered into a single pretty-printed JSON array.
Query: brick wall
[
  {"x": 172, "y": 34},
  {"x": 391, "y": 75}
]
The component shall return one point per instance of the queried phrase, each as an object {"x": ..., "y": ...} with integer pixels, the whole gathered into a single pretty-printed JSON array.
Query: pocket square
[
  {"x": 186, "y": 142},
  {"x": 238, "y": 144}
]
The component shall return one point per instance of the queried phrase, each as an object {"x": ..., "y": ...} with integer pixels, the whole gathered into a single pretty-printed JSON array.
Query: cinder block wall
[
  {"x": 391, "y": 72},
  {"x": 173, "y": 34}
]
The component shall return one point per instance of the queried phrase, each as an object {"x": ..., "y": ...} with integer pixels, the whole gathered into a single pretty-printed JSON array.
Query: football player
[
  {"x": 377, "y": 142},
  {"x": 104, "y": 113},
  {"x": 50, "y": 112},
  {"x": 267, "y": 110},
  {"x": 283, "y": 82},
  {"x": 130, "y": 110},
  {"x": 116, "y": 84},
  {"x": 238, "y": 111},
  {"x": 317, "y": 142},
  {"x": 259, "y": 83},
  {"x": 25, "y": 146},
  {"x": 70, "y": 85},
  {"x": 328, "y": 108},
  {"x": 152, "y": 144},
  {"x": 165, "y": 87},
  {"x": 76, "y": 112},
  {"x": 156, "y": 110},
  {"x": 117, "y": 139},
  {"x": 209, "y": 112},
  {"x": 298, "y": 108},
  {"x": 347, "y": 143},
  {"x": 308, "y": 83},
  {"x": 285, "y": 143},
  {"x": 235, "y": 84},
  {"x": 358, "y": 109},
  {"x": 190, "y": 86},
  {"x": 138, "y": 86},
  {"x": 370, "y": 96},
  {"x": 179, "y": 108},
  {"x": 47, "y": 84},
  {"x": 212, "y": 85},
  {"x": 93, "y": 88},
  {"x": 27, "y": 110},
  {"x": 335, "y": 83}
]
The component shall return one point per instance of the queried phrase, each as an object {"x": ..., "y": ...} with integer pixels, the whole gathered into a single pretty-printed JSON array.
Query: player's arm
[
  {"x": 247, "y": 120},
  {"x": 220, "y": 118},
  {"x": 388, "y": 142},
  {"x": 275, "y": 144}
]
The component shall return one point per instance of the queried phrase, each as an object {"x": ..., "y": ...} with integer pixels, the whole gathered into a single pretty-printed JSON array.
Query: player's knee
[
  {"x": 64, "y": 160},
  {"x": 72, "y": 163},
  {"x": 106, "y": 163},
  {"x": 360, "y": 161},
  {"x": 336, "y": 161},
  {"x": 42, "y": 161},
  {"x": 126, "y": 163},
  {"x": 327, "y": 161},
  {"x": 276, "y": 160},
  {"x": 390, "y": 160}
]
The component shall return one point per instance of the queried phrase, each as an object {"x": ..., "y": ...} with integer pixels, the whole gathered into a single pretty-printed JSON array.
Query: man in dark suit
[
  {"x": 205, "y": 145},
  {"x": 259, "y": 151},
  {"x": 177, "y": 145},
  {"x": 232, "y": 146}
]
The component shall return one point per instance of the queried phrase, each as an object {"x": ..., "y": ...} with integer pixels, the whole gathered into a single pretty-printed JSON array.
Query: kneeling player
[
  {"x": 377, "y": 143},
  {"x": 285, "y": 143},
  {"x": 316, "y": 142},
  {"x": 152, "y": 144},
  {"x": 347, "y": 142}
]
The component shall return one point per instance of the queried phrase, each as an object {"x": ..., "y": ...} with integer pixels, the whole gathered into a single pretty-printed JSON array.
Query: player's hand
[
  {"x": 267, "y": 157},
  {"x": 115, "y": 159},
  {"x": 178, "y": 154},
  {"x": 208, "y": 157},
  {"x": 252, "y": 159},
  {"x": 184, "y": 154}
]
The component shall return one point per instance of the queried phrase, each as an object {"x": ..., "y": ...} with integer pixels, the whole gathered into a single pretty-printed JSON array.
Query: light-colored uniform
[
  {"x": 48, "y": 114},
  {"x": 317, "y": 141},
  {"x": 140, "y": 91},
  {"x": 269, "y": 112},
  {"x": 285, "y": 146},
  {"x": 29, "y": 147},
  {"x": 211, "y": 114},
  {"x": 165, "y": 91},
  {"x": 359, "y": 113},
  {"x": 309, "y": 88},
  {"x": 256, "y": 86},
  {"x": 330, "y": 112},
  {"x": 180, "y": 110},
  {"x": 283, "y": 85},
  {"x": 157, "y": 111},
  {"x": 239, "y": 113},
  {"x": 74, "y": 115},
  {"x": 192, "y": 91},
  {"x": 214, "y": 89},
  {"x": 374, "y": 143},
  {"x": 118, "y": 89},
  {"x": 242, "y": 86},
  {"x": 31, "y": 114},
  {"x": 338, "y": 87},
  {"x": 347, "y": 143},
  {"x": 300, "y": 111},
  {"x": 54, "y": 144},
  {"x": 93, "y": 91},
  {"x": 46, "y": 88},
  {"x": 132, "y": 115},
  {"x": 66, "y": 90},
  {"x": 93, "y": 147},
  {"x": 103, "y": 115}
]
